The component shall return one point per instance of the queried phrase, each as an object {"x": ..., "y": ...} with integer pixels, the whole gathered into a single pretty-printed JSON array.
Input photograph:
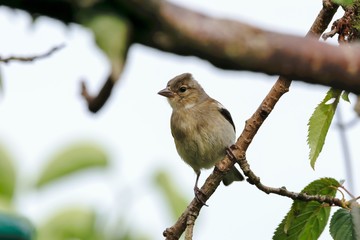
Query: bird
[{"x": 202, "y": 128}]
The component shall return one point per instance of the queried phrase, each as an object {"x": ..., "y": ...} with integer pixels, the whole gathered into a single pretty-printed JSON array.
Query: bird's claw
[
  {"x": 230, "y": 154},
  {"x": 199, "y": 195}
]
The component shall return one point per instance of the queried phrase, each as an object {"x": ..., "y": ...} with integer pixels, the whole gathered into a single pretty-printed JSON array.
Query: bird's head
[{"x": 183, "y": 91}]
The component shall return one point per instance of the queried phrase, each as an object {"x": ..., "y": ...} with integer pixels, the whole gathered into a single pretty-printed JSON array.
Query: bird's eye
[{"x": 182, "y": 89}]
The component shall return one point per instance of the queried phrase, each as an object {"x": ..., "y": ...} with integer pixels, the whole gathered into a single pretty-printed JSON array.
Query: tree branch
[
  {"x": 96, "y": 102},
  {"x": 227, "y": 44},
  {"x": 282, "y": 191},
  {"x": 251, "y": 127},
  {"x": 233, "y": 45},
  {"x": 31, "y": 58}
]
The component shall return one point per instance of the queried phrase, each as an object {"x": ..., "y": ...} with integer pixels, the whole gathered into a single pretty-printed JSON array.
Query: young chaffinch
[{"x": 202, "y": 128}]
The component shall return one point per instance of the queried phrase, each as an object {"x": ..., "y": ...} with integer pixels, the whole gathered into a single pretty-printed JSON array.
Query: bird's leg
[{"x": 199, "y": 195}]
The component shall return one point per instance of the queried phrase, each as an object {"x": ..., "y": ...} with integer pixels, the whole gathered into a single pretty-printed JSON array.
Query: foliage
[
  {"x": 343, "y": 2},
  {"x": 75, "y": 158},
  {"x": 70, "y": 160},
  {"x": 111, "y": 33},
  {"x": 75, "y": 221},
  {"x": 307, "y": 220},
  {"x": 345, "y": 96},
  {"x": 319, "y": 123},
  {"x": 177, "y": 202},
  {"x": 345, "y": 224},
  {"x": 15, "y": 227},
  {"x": 7, "y": 177}
]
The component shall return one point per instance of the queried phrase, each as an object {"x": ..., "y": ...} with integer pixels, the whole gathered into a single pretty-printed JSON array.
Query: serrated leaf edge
[{"x": 316, "y": 150}]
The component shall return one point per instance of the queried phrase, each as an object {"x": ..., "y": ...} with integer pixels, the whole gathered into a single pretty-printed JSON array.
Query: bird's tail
[{"x": 232, "y": 175}]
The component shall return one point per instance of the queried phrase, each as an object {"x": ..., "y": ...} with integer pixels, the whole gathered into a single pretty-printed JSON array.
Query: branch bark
[
  {"x": 225, "y": 43},
  {"x": 233, "y": 45},
  {"x": 96, "y": 102}
]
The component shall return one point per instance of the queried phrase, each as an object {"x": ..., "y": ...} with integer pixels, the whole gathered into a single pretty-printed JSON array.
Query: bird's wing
[{"x": 226, "y": 114}]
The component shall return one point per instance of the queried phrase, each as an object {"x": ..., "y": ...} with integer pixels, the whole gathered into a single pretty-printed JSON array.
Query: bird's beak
[{"x": 166, "y": 93}]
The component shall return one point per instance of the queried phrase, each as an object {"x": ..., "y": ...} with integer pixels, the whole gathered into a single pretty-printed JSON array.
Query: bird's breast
[{"x": 200, "y": 140}]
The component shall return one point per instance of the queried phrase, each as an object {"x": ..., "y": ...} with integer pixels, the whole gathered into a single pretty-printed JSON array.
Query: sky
[{"x": 41, "y": 111}]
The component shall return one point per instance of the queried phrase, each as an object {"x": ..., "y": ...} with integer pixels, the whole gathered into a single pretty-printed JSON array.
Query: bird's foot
[
  {"x": 199, "y": 195},
  {"x": 230, "y": 154}
]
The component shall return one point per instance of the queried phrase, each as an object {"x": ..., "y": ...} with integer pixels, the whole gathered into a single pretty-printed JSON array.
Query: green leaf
[
  {"x": 307, "y": 220},
  {"x": 175, "y": 200},
  {"x": 111, "y": 33},
  {"x": 319, "y": 123},
  {"x": 75, "y": 158},
  {"x": 345, "y": 224},
  {"x": 345, "y": 96},
  {"x": 343, "y": 2},
  {"x": 7, "y": 176},
  {"x": 71, "y": 223},
  {"x": 123, "y": 231},
  {"x": 15, "y": 227}
]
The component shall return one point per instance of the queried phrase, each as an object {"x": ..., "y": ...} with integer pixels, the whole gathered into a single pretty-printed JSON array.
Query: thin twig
[
  {"x": 348, "y": 192},
  {"x": 31, "y": 58},
  {"x": 282, "y": 191}
]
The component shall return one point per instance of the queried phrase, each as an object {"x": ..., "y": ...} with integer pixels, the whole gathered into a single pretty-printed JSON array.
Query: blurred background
[{"x": 116, "y": 174}]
